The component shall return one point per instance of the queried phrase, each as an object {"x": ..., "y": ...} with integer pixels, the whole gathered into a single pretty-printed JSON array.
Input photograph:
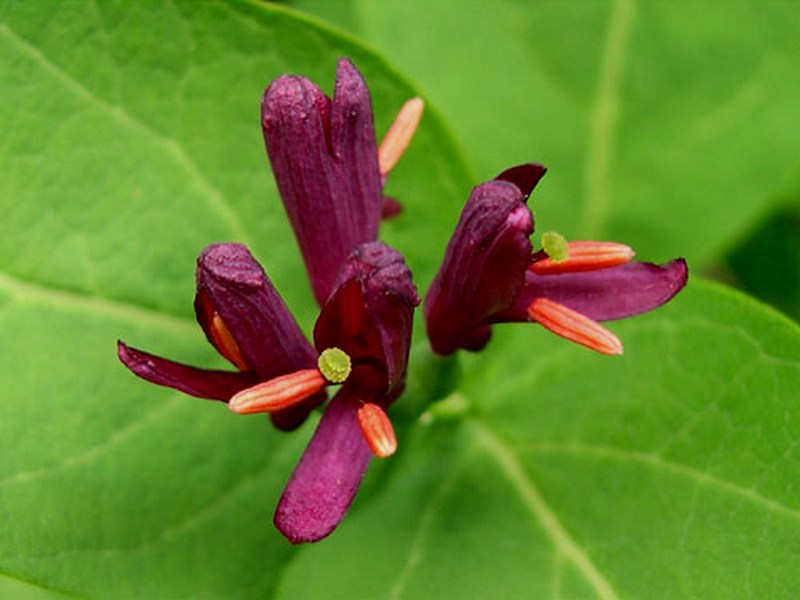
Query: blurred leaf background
[
  {"x": 633, "y": 99},
  {"x": 130, "y": 140}
]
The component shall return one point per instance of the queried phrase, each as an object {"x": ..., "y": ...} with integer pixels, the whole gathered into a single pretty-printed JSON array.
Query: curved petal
[
  {"x": 201, "y": 383},
  {"x": 325, "y": 161},
  {"x": 369, "y": 316},
  {"x": 483, "y": 268},
  {"x": 391, "y": 208},
  {"x": 605, "y": 294},
  {"x": 524, "y": 176},
  {"x": 326, "y": 479},
  {"x": 356, "y": 150},
  {"x": 233, "y": 285},
  {"x": 291, "y": 418}
]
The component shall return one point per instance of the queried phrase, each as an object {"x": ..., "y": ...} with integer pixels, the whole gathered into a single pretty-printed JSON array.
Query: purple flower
[
  {"x": 245, "y": 319},
  {"x": 328, "y": 167},
  {"x": 330, "y": 174},
  {"x": 491, "y": 275},
  {"x": 362, "y": 339},
  {"x": 369, "y": 317},
  {"x": 363, "y": 336}
]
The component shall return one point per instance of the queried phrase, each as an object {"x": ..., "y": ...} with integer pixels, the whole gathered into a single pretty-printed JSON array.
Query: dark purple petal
[
  {"x": 345, "y": 323},
  {"x": 605, "y": 294},
  {"x": 369, "y": 316},
  {"x": 291, "y": 418},
  {"x": 231, "y": 283},
  {"x": 391, "y": 208},
  {"x": 325, "y": 161},
  {"x": 524, "y": 176},
  {"x": 326, "y": 479},
  {"x": 355, "y": 148},
  {"x": 483, "y": 268},
  {"x": 201, "y": 383}
]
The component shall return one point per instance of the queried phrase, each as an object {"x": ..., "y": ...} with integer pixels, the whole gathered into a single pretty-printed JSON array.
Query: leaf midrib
[
  {"x": 40, "y": 586},
  {"x": 94, "y": 305},
  {"x": 533, "y": 499},
  {"x": 603, "y": 120}
]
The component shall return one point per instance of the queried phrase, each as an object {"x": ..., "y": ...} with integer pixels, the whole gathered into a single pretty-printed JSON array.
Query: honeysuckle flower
[
  {"x": 245, "y": 319},
  {"x": 369, "y": 317},
  {"x": 362, "y": 339},
  {"x": 328, "y": 167},
  {"x": 363, "y": 334},
  {"x": 491, "y": 275},
  {"x": 330, "y": 174}
]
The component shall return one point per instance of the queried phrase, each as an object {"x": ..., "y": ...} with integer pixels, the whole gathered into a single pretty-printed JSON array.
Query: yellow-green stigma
[
  {"x": 334, "y": 364},
  {"x": 555, "y": 246}
]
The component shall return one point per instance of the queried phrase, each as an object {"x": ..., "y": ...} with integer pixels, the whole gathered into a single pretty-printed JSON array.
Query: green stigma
[
  {"x": 334, "y": 364},
  {"x": 555, "y": 246}
]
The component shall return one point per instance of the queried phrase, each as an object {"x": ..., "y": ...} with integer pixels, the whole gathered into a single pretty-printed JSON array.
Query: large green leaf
[
  {"x": 553, "y": 473},
  {"x": 670, "y": 126},
  {"x": 131, "y": 139}
]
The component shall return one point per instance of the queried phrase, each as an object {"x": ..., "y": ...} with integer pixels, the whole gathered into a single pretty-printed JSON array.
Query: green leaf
[
  {"x": 21, "y": 590},
  {"x": 664, "y": 125},
  {"x": 131, "y": 139},
  {"x": 670, "y": 472}
]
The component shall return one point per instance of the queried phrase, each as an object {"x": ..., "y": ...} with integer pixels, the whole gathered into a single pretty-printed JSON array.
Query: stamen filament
[
  {"x": 377, "y": 430},
  {"x": 573, "y": 326},
  {"x": 585, "y": 256},
  {"x": 279, "y": 393},
  {"x": 399, "y": 135}
]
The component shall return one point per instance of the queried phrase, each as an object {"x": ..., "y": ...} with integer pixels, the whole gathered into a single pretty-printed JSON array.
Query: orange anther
[
  {"x": 585, "y": 256},
  {"x": 573, "y": 326},
  {"x": 279, "y": 393},
  {"x": 399, "y": 135},
  {"x": 377, "y": 430},
  {"x": 224, "y": 342}
]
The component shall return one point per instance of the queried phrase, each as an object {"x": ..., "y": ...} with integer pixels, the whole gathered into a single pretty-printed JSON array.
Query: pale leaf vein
[
  {"x": 564, "y": 543},
  {"x": 123, "y": 116}
]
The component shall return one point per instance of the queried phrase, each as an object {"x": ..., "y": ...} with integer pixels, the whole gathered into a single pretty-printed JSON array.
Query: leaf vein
[
  {"x": 603, "y": 118},
  {"x": 41, "y": 586},
  {"x": 187, "y": 524},
  {"x": 123, "y": 116},
  {"x": 660, "y": 463},
  {"x": 416, "y": 551},
  {"x": 94, "y": 305},
  {"x": 564, "y": 543},
  {"x": 89, "y": 454}
]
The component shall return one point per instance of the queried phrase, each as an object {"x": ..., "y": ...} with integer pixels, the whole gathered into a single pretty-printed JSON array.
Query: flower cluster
[{"x": 330, "y": 174}]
